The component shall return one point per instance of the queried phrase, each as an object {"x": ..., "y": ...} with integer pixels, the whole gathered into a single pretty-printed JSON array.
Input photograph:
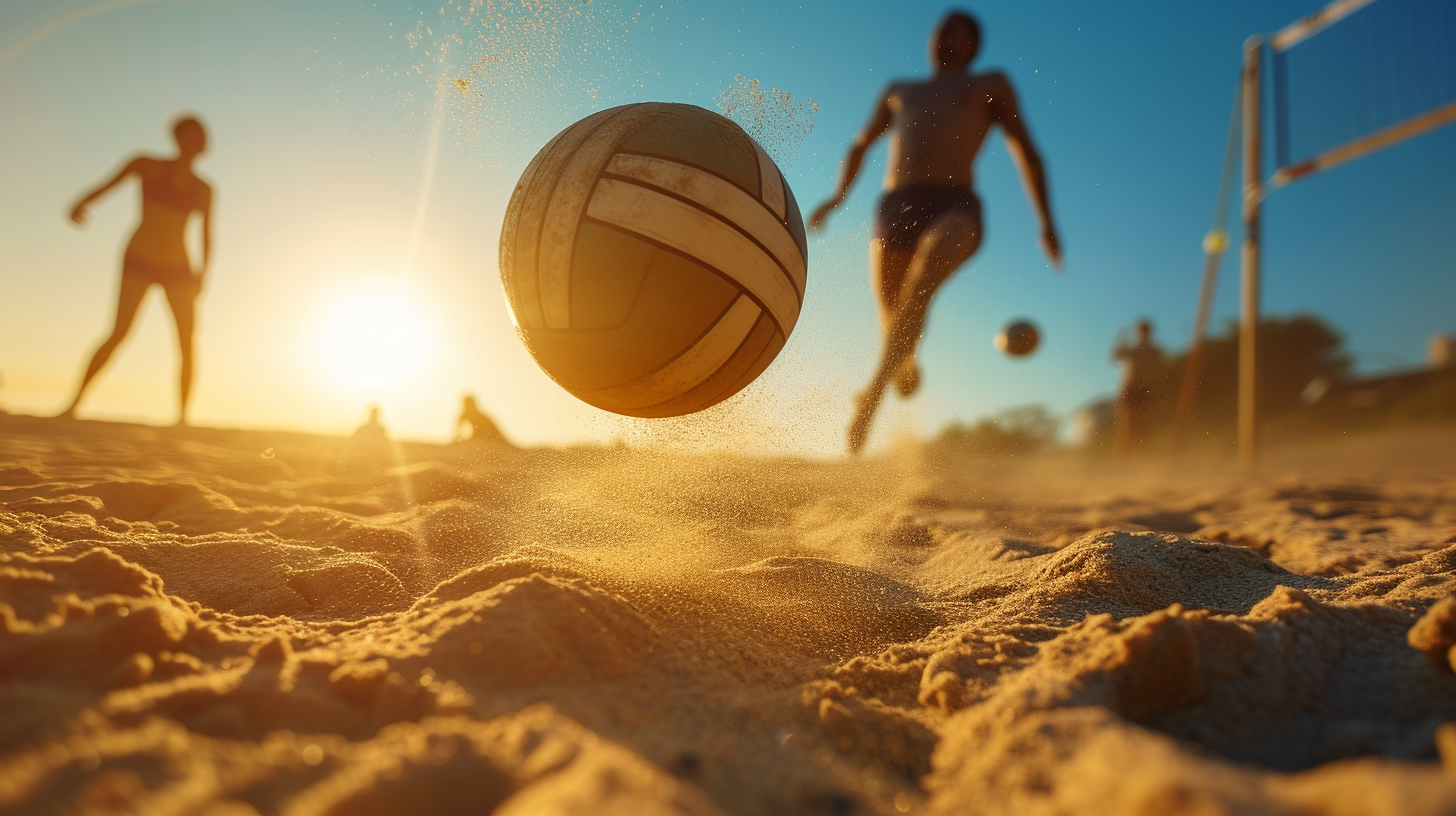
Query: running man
[
  {"x": 157, "y": 254},
  {"x": 929, "y": 220}
]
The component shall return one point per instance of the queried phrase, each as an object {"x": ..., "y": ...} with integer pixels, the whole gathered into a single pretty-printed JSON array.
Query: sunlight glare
[{"x": 373, "y": 341}]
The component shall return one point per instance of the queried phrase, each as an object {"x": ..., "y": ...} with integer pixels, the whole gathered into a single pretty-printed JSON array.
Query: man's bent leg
[
  {"x": 947, "y": 244},
  {"x": 950, "y": 242},
  {"x": 889, "y": 267}
]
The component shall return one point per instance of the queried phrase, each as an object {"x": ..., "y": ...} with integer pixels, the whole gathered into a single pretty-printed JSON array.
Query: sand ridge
[{"x": 228, "y": 622}]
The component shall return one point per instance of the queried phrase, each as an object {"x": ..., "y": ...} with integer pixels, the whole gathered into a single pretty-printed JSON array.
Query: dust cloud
[{"x": 775, "y": 119}]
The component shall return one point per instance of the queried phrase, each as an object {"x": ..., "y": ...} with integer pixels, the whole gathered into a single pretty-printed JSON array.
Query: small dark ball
[{"x": 1019, "y": 339}]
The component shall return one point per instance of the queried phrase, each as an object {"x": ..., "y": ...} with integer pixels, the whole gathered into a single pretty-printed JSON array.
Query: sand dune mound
[
  {"x": 1122, "y": 574},
  {"x": 520, "y": 563},
  {"x": 348, "y": 587},
  {"x": 529, "y": 632},
  {"x": 1293, "y": 685},
  {"x": 190, "y": 626},
  {"x": 866, "y": 607}
]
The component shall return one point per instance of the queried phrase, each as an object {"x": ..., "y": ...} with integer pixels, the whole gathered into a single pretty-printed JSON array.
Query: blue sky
[{"x": 323, "y": 115}]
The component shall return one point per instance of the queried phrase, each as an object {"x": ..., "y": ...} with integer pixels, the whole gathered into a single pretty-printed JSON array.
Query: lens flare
[{"x": 373, "y": 341}]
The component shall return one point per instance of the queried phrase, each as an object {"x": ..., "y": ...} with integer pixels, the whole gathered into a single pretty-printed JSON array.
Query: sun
[{"x": 373, "y": 341}]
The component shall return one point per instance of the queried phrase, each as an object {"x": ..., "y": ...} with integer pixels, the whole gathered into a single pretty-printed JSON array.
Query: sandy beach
[{"x": 216, "y": 622}]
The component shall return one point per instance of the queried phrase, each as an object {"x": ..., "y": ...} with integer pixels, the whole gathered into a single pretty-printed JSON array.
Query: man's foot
[
  {"x": 69, "y": 413},
  {"x": 907, "y": 377},
  {"x": 864, "y": 415}
]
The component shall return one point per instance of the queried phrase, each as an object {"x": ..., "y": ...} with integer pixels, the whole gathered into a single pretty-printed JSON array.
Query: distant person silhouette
[
  {"x": 157, "y": 254},
  {"x": 481, "y": 428},
  {"x": 373, "y": 429},
  {"x": 1141, "y": 362},
  {"x": 929, "y": 220}
]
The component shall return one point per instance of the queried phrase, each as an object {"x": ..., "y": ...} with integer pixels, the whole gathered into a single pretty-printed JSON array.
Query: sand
[{"x": 232, "y": 623}]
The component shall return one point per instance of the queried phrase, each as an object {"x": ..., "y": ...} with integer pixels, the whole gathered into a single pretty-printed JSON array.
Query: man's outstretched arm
[
  {"x": 1028, "y": 162},
  {"x": 877, "y": 126}
]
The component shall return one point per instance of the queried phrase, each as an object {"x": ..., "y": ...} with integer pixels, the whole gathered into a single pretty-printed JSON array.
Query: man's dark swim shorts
[{"x": 906, "y": 212}]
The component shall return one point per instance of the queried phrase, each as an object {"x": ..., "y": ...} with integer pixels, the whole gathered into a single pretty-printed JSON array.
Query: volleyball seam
[
  {"x": 772, "y": 256},
  {"x": 765, "y": 164},
  {"x": 550, "y": 198},
  {"x": 753, "y": 372},
  {"x": 732, "y": 281},
  {"x": 718, "y": 395},
  {"x": 533, "y": 226},
  {"x": 795, "y": 249},
  {"x": 653, "y": 155},
  {"x": 712, "y": 324},
  {"x": 728, "y": 390},
  {"x": 631, "y": 206},
  {"x": 636, "y": 294}
]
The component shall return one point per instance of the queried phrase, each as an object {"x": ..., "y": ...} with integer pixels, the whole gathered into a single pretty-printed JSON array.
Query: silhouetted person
[
  {"x": 157, "y": 254},
  {"x": 373, "y": 429},
  {"x": 1141, "y": 364},
  {"x": 929, "y": 220},
  {"x": 481, "y": 428}
]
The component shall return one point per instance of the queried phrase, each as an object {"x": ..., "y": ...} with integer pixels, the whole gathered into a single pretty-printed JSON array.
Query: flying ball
[
  {"x": 1019, "y": 339},
  {"x": 653, "y": 259},
  {"x": 1216, "y": 242}
]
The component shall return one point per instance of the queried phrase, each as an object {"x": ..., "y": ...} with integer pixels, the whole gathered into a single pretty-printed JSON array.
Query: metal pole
[
  {"x": 1249, "y": 256},
  {"x": 1188, "y": 394},
  {"x": 1215, "y": 244}
]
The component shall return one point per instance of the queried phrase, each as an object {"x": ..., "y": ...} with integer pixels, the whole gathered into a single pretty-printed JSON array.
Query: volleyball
[
  {"x": 1216, "y": 242},
  {"x": 1019, "y": 338},
  {"x": 653, "y": 259}
]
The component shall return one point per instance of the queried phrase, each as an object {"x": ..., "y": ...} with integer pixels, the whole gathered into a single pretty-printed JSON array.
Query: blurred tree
[
  {"x": 1434, "y": 402},
  {"x": 1293, "y": 352},
  {"x": 1024, "y": 429}
]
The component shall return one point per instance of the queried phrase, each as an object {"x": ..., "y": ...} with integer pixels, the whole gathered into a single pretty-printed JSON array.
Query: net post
[{"x": 1249, "y": 255}]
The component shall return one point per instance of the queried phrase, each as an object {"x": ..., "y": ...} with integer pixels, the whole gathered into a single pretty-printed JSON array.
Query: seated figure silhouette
[
  {"x": 481, "y": 427},
  {"x": 373, "y": 430},
  {"x": 157, "y": 253}
]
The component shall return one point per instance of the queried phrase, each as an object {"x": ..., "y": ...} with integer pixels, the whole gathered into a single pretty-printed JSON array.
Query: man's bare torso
[{"x": 937, "y": 127}]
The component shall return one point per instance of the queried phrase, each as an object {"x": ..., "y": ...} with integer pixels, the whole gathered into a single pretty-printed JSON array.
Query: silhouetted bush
[
  {"x": 1293, "y": 351},
  {"x": 1434, "y": 402},
  {"x": 1024, "y": 429}
]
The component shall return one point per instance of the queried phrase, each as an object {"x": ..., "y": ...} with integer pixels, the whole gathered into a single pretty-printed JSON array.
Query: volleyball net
[
  {"x": 1359, "y": 76},
  {"x": 1353, "y": 78}
]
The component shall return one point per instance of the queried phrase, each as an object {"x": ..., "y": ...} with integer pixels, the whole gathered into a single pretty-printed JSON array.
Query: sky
[{"x": 368, "y": 150}]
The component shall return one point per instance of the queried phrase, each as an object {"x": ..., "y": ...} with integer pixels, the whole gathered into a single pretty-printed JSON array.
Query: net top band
[{"x": 1306, "y": 27}]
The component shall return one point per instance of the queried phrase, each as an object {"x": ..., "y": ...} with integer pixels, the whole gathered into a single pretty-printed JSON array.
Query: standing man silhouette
[
  {"x": 929, "y": 220},
  {"x": 157, "y": 254},
  {"x": 1142, "y": 363}
]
